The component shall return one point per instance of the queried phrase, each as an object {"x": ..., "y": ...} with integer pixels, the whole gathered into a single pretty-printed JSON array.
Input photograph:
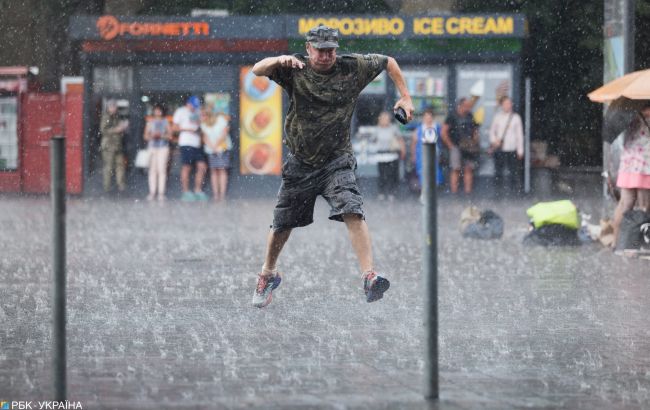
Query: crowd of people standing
[
  {"x": 199, "y": 131},
  {"x": 202, "y": 136},
  {"x": 459, "y": 148}
]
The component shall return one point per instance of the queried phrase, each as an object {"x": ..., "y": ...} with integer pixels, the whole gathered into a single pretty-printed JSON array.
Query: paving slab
[{"x": 159, "y": 312}]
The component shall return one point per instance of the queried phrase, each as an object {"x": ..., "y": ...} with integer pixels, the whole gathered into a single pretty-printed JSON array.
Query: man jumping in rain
[{"x": 323, "y": 89}]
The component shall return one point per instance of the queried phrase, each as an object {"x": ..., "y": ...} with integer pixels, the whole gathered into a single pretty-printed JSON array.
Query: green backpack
[{"x": 554, "y": 213}]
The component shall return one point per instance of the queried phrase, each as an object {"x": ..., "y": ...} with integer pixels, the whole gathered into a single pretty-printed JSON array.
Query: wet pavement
[{"x": 159, "y": 312}]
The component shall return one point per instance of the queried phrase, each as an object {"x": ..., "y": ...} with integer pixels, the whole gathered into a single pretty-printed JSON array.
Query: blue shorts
[{"x": 191, "y": 155}]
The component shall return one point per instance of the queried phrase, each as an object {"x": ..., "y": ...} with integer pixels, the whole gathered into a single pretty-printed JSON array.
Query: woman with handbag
[
  {"x": 507, "y": 146},
  {"x": 460, "y": 135}
]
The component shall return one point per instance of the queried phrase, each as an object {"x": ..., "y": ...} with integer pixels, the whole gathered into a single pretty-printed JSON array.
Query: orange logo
[{"x": 110, "y": 27}]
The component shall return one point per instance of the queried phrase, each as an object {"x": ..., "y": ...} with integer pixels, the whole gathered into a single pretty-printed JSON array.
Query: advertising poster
[{"x": 260, "y": 125}]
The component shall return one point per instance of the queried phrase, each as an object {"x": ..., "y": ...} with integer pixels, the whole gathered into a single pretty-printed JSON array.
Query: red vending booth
[
  {"x": 27, "y": 122},
  {"x": 13, "y": 85}
]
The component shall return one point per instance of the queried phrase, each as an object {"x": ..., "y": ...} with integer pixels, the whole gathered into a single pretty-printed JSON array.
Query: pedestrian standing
[
  {"x": 634, "y": 169},
  {"x": 187, "y": 123},
  {"x": 392, "y": 150},
  {"x": 427, "y": 127},
  {"x": 112, "y": 129},
  {"x": 217, "y": 145},
  {"x": 507, "y": 146},
  {"x": 460, "y": 135},
  {"x": 157, "y": 133},
  {"x": 323, "y": 89}
]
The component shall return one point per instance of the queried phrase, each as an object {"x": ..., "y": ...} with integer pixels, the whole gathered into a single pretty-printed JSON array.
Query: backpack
[
  {"x": 563, "y": 213},
  {"x": 634, "y": 229},
  {"x": 481, "y": 225}
]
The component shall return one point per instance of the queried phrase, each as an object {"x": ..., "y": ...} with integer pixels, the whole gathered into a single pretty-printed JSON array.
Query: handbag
[
  {"x": 142, "y": 158},
  {"x": 469, "y": 145}
]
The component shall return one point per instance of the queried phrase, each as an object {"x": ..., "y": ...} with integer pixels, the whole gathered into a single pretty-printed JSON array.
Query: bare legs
[
  {"x": 453, "y": 180},
  {"x": 468, "y": 180},
  {"x": 360, "y": 238},
  {"x": 201, "y": 168},
  {"x": 185, "y": 177},
  {"x": 626, "y": 203},
  {"x": 274, "y": 245},
  {"x": 357, "y": 230},
  {"x": 219, "y": 181}
]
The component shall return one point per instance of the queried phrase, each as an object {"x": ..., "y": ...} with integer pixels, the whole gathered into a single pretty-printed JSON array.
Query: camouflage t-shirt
[{"x": 317, "y": 127}]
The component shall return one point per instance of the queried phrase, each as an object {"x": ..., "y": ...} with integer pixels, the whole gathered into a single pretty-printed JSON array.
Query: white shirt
[
  {"x": 387, "y": 138},
  {"x": 213, "y": 133},
  {"x": 186, "y": 119},
  {"x": 513, "y": 137}
]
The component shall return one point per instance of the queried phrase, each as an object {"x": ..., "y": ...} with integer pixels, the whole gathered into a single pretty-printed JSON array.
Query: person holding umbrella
[
  {"x": 634, "y": 168},
  {"x": 629, "y": 112}
]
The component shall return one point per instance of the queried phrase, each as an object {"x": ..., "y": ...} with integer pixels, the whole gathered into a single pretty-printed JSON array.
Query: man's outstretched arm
[
  {"x": 396, "y": 75},
  {"x": 266, "y": 66}
]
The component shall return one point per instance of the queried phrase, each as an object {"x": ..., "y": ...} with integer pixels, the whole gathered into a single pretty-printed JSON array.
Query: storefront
[{"x": 142, "y": 61}]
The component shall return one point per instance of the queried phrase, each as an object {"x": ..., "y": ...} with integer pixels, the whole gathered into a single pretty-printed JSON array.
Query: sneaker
[
  {"x": 187, "y": 197},
  {"x": 200, "y": 196},
  {"x": 263, "y": 291},
  {"x": 374, "y": 286}
]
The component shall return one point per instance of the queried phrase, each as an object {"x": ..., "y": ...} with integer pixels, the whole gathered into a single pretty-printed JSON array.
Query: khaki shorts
[{"x": 458, "y": 160}]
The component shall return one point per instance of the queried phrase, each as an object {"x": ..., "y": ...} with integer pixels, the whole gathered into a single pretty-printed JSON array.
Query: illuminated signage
[
  {"x": 115, "y": 28},
  {"x": 358, "y": 26},
  {"x": 110, "y": 27},
  {"x": 446, "y": 26},
  {"x": 476, "y": 26}
]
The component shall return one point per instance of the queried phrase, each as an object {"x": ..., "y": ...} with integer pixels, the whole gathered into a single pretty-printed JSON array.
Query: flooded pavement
[{"x": 159, "y": 312}]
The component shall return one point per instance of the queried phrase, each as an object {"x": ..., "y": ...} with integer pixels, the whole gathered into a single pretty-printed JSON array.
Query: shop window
[
  {"x": 495, "y": 80},
  {"x": 8, "y": 133},
  {"x": 112, "y": 80},
  {"x": 428, "y": 89}
]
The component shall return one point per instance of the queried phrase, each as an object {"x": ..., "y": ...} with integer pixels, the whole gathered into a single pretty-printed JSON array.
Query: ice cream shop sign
[{"x": 110, "y": 27}]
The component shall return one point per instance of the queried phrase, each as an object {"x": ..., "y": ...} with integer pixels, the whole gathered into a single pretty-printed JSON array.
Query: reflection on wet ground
[{"x": 159, "y": 315}]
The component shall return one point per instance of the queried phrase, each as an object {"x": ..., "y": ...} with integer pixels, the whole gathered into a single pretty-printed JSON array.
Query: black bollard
[
  {"x": 430, "y": 264},
  {"x": 57, "y": 168}
]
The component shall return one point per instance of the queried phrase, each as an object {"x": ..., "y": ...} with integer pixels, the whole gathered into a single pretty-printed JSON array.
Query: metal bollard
[
  {"x": 57, "y": 192},
  {"x": 430, "y": 263}
]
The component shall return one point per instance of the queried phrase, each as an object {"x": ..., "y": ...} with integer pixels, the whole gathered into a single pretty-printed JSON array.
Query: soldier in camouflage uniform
[
  {"x": 323, "y": 89},
  {"x": 112, "y": 130}
]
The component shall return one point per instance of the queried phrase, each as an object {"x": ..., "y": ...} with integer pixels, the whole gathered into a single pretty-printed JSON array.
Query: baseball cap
[
  {"x": 323, "y": 37},
  {"x": 194, "y": 101}
]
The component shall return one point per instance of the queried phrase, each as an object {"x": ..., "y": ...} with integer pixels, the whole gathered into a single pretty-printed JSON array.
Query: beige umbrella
[{"x": 635, "y": 86}]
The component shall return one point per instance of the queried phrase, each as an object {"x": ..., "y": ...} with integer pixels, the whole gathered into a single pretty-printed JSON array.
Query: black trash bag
[
  {"x": 552, "y": 235},
  {"x": 489, "y": 226},
  {"x": 630, "y": 235}
]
